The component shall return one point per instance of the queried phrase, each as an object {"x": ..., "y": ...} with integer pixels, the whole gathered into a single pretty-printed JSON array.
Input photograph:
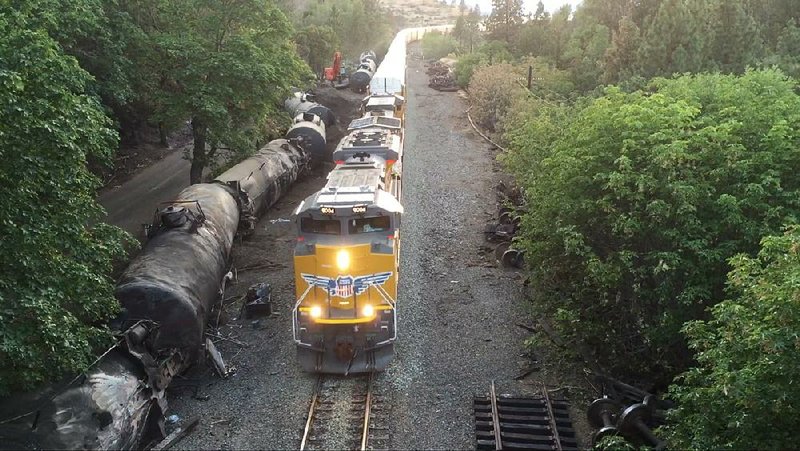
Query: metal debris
[{"x": 216, "y": 359}]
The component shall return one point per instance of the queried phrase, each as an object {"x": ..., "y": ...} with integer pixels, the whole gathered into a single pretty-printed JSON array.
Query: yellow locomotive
[
  {"x": 346, "y": 258},
  {"x": 347, "y": 255}
]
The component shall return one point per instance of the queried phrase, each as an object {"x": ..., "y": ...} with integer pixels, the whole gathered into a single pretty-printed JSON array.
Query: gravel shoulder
[{"x": 457, "y": 311}]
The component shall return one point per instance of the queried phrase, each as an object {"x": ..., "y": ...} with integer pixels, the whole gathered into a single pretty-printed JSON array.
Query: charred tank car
[{"x": 167, "y": 293}]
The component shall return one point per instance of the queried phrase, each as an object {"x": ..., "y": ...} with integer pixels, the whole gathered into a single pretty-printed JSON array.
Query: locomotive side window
[
  {"x": 322, "y": 226},
  {"x": 366, "y": 225}
]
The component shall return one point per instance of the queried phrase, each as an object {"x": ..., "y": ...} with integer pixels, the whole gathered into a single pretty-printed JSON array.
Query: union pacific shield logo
[{"x": 346, "y": 286}]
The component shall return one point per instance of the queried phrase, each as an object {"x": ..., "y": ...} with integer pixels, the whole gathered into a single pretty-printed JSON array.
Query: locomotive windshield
[
  {"x": 367, "y": 225},
  {"x": 322, "y": 226}
]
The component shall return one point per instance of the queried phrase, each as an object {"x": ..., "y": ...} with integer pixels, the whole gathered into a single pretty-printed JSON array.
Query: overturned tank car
[{"x": 119, "y": 403}]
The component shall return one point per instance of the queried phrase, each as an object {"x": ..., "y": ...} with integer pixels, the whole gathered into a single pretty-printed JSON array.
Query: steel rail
[
  {"x": 311, "y": 411},
  {"x": 367, "y": 409},
  {"x": 552, "y": 416},
  {"x": 498, "y": 442}
]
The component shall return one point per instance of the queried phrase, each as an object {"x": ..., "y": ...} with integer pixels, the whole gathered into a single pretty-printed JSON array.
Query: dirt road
[{"x": 132, "y": 204}]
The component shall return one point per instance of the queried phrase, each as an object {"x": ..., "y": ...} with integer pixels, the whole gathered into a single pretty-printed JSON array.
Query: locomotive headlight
[
  {"x": 343, "y": 260},
  {"x": 316, "y": 311},
  {"x": 367, "y": 310}
]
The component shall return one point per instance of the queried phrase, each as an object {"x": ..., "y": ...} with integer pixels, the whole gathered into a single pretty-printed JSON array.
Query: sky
[{"x": 530, "y": 5}]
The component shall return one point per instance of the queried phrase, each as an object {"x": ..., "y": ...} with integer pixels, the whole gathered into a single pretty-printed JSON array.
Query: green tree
[
  {"x": 609, "y": 12},
  {"x": 95, "y": 33},
  {"x": 560, "y": 31},
  {"x": 505, "y": 20},
  {"x": 585, "y": 49},
  {"x": 316, "y": 44},
  {"x": 736, "y": 37},
  {"x": 636, "y": 206},
  {"x": 227, "y": 67},
  {"x": 678, "y": 38},
  {"x": 56, "y": 289},
  {"x": 788, "y": 49},
  {"x": 743, "y": 393},
  {"x": 459, "y": 30},
  {"x": 772, "y": 16},
  {"x": 472, "y": 31},
  {"x": 438, "y": 45},
  {"x": 619, "y": 61},
  {"x": 534, "y": 35}
]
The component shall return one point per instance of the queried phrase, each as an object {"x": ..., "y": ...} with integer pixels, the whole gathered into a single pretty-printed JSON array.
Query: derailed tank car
[
  {"x": 367, "y": 65},
  {"x": 311, "y": 130},
  {"x": 175, "y": 280},
  {"x": 118, "y": 403},
  {"x": 166, "y": 293},
  {"x": 262, "y": 179}
]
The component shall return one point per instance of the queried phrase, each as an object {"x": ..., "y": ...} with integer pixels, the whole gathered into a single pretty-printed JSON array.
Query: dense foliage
[
  {"x": 55, "y": 292},
  {"x": 438, "y": 45},
  {"x": 355, "y": 26},
  {"x": 642, "y": 196},
  {"x": 637, "y": 201},
  {"x": 227, "y": 70},
  {"x": 612, "y": 41},
  {"x": 492, "y": 92},
  {"x": 743, "y": 393}
]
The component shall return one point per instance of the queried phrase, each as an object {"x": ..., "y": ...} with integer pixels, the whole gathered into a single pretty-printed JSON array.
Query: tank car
[
  {"x": 175, "y": 280},
  {"x": 262, "y": 179},
  {"x": 367, "y": 65},
  {"x": 301, "y": 102},
  {"x": 310, "y": 129}
]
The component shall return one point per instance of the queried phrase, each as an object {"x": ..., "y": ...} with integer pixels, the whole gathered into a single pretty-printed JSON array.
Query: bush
[
  {"x": 437, "y": 45},
  {"x": 465, "y": 67},
  {"x": 492, "y": 90},
  {"x": 744, "y": 394},
  {"x": 637, "y": 201}
]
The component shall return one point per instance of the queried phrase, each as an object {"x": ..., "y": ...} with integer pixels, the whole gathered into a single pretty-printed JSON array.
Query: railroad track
[
  {"x": 345, "y": 413},
  {"x": 515, "y": 422}
]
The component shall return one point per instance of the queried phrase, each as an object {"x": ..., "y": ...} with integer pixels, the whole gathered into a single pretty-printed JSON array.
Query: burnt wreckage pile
[
  {"x": 510, "y": 201},
  {"x": 629, "y": 412},
  {"x": 166, "y": 293},
  {"x": 441, "y": 77}
]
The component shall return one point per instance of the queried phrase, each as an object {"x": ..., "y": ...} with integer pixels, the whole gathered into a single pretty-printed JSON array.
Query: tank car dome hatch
[{"x": 173, "y": 216}]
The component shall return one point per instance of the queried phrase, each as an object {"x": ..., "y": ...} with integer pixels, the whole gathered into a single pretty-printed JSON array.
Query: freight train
[
  {"x": 347, "y": 255},
  {"x": 166, "y": 294}
]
